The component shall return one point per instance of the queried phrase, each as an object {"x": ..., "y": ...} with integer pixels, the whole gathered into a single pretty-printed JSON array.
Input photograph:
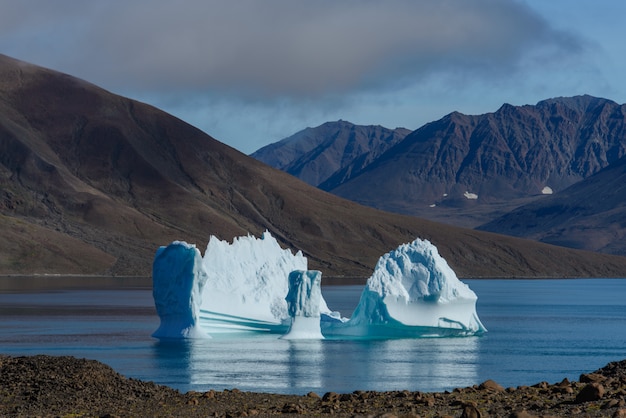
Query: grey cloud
[{"x": 278, "y": 48}]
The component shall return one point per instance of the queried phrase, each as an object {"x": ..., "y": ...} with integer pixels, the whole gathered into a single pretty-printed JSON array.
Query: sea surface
[{"x": 538, "y": 330}]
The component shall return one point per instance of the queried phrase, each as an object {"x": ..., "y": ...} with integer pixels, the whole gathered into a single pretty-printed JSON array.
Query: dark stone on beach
[
  {"x": 293, "y": 408},
  {"x": 347, "y": 397},
  {"x": 620, "y": 413},
  {"x": 591, "y": 392},
  {"x": 611, "y": 403},
  {"x": 491, "y": 386},
  {"x": 591, "y": 378},
  {"x": 522, "y": 414},
  {"x": 470, "y": 410},
  {"x": 330, "y": 397}
]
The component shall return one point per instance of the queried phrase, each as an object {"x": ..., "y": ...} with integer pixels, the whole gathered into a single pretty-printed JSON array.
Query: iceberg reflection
[{"x": 265, "y": 364}]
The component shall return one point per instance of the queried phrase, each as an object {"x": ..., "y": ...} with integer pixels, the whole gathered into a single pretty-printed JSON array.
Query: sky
[{"x": 252, "y": 72}]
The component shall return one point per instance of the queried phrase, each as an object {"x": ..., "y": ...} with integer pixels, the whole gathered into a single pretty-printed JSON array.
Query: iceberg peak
[
  {"x": 417, "y": 272},
  {"x": 414, "y": 292}
]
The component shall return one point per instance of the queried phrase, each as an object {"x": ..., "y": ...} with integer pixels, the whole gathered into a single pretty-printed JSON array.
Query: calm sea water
[{"x": 539, "y": 330}]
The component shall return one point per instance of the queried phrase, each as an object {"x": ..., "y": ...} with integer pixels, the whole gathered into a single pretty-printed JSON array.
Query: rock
[
  {"x": 611, "y": 403},
  {"x": 470, "y": 410},
  {"x": 313, "y": 395},
  {"x": 362, "y": 395},
  {"x": 591, "y": 392},
  {"x": 346, "y": 397},
  {"x": 330, "y": 397},
  {"x": 522, "y": 414},
  {"x": 491, "y": 385},
  {"x": 293, "y": 408},
  {"x": 591, "y": 378},
  {"x": 387, "y": 415},
  {"x": 428, "y": 401},
  {"x": 620, "y": 413}
]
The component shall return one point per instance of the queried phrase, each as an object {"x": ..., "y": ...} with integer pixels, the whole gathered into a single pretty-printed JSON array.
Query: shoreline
[{"x": 67, "y": 386}]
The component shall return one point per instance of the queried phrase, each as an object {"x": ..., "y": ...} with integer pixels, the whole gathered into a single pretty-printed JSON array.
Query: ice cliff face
[
  {"x": 248, "y": 279},
  {"x": 303, "y": 299},
  {"x": 178, "y": 281}
]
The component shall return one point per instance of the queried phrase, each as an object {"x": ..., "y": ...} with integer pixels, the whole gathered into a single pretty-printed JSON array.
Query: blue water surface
[{"x": 539, "y": 330}]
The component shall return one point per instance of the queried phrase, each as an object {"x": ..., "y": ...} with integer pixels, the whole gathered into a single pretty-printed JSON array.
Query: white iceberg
[
  {"x": 245, "y": 287},
  {"x": 413, "y": 293},
  {"x": 247, "y": 282}
]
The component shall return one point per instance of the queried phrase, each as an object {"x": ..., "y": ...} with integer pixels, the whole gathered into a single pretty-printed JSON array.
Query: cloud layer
[{"x": 277, "y": 48}]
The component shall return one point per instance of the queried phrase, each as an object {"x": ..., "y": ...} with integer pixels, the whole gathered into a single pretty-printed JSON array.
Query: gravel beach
[{"x": 46, "y": 386}]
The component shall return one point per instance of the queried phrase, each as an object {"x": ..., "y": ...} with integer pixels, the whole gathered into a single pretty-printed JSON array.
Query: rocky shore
[{"x": 45, "y": 386}]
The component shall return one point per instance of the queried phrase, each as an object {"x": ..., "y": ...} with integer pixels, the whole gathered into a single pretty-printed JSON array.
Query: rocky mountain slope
[
  {"x": 334, "y": 150},
  {"x": 93, "y": 183},
  {"x": 470, "y": 169},
  {"x": 590, "y": 214}
]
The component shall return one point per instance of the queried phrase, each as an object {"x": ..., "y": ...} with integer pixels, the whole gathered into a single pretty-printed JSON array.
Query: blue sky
[{"x": 252, "y": 72}]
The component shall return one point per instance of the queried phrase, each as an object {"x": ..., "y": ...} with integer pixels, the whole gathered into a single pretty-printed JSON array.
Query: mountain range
[
  {"x": 332, "y": 152},
  {"x": 590, "y": 214},
  {"x": 93, "y": 183},
  {"x": 472, "y": 171}
]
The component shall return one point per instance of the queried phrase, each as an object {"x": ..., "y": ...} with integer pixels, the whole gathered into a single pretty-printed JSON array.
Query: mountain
[
  {"x": 467, "y": 170},
  {"x": 332, "y": 150},
  {"x": 94, "y": 183},
  {"x": 590, "y": 214}
]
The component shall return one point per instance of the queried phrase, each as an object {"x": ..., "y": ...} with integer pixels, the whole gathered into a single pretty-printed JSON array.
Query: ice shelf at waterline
[{"x": 253, "y": 285}]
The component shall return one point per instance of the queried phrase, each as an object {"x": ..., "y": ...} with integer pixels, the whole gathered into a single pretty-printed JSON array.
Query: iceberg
[
  {"x": 178, "y": 280},
  {"x": 413, "y": 292},
  {"x": 253, "y": 285},
  {"x": 247, "y": 282}
]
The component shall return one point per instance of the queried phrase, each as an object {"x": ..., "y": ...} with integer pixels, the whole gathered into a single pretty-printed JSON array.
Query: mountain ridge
[
  {"x": 599, "y": 199},
  {"x": 333, "y": 149},
  {"x": 94, "y": 183},
  {"x": 468, "y": 170},
  {"x": 496, "y": 155}
]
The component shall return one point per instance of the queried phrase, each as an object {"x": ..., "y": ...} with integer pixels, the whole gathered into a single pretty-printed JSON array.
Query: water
[{"x": 538, "y": 330}]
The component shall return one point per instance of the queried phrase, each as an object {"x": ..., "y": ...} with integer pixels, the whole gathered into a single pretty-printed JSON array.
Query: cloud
[
  {"x": 251, "y": 71},
  {"x": 278, "y": 48}
]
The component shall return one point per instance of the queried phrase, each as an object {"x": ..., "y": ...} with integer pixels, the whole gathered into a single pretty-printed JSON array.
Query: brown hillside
[{"x": 91, "y": 182}]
